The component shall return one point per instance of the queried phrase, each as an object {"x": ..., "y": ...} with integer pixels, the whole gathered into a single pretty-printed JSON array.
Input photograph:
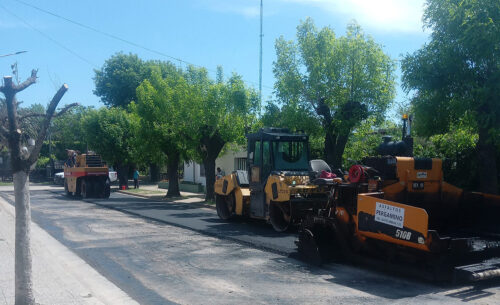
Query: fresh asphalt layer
[
  {"x": 178, "y": 253},
  {"x": 256, "y": 233}
]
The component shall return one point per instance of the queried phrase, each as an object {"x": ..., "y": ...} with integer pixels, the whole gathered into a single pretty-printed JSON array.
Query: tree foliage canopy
[
  {"x": 338, "y": 81},
  {"x": 457, "y": 75},
  {"x": 108, "y": 132},
  {"x": 116, "y": 81}
]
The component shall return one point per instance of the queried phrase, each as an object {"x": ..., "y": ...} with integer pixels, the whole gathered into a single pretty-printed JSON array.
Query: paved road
[
  {"x": 189, "y": 259},
  {"x": 205, "y": 220}
]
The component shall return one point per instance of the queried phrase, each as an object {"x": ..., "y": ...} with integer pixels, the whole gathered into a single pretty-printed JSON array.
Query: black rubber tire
[
  {"x": 278, "y": 216},
  {"x": 224, "y": 206},
  {"x": 107, "y": 189},
  {"x": 84, "y": 188},
  {"x": 308, "y": 248}
]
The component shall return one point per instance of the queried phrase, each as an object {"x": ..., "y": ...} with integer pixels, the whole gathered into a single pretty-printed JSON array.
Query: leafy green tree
[
  {"x": 218, "y": 113},
  {"x": 117, "y": 80},
  {"x": 457, "y": 148},
  {"x": 457, "y": 74},
  {"x": 66, "y": 132},
  {"x": 365, "y": 139},
  {"x": 159, "y": 107},
  {"x": 339, "y": 81},
  {"x": 109, "y": 133}
]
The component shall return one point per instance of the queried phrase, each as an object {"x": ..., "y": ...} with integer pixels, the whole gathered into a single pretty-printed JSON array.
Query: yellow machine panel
[
  {"x": 276, "y": 189},
  {"x": 242, "y": 197},
  {"x": 225, "y": 185},
  {"x": 392, "y": 221}
]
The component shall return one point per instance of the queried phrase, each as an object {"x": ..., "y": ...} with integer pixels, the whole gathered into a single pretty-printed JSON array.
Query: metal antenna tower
[{"x": 260, "y": 57}]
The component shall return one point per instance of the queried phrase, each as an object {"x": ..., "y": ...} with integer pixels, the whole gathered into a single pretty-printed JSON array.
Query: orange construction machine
[
  {"x": 396, "y": 212},
  {"x": 85, "y": 175}
]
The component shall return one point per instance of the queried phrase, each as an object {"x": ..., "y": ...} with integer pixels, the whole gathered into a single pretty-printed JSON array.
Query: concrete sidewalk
[
  {"x": 59, "y": 275},
  {"x": 151, "y": 191}
]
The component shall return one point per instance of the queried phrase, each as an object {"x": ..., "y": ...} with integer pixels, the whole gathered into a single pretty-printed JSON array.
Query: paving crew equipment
[
  {"x": 280, "y": 184},
  {"x": 396, "y": 211},
  {"x": 85, "y": 175}
]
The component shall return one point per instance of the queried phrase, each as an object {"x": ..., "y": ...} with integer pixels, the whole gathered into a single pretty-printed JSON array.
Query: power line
[
  {"x": 48, "y": 37},
  {"x": 126, "y": 41}
]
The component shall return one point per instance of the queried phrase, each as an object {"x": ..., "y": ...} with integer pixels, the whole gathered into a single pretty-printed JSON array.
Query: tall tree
[
  {"x": 116, "y": 81},
  {"x": 159, "y": 106},
  {"x": 23, "y": 156},
  {"x": 109, "y": 132},
  {"x": 457, "y": 74},
  {"x": 219, "y": 113},
  {"x": 338, "y": 81}
]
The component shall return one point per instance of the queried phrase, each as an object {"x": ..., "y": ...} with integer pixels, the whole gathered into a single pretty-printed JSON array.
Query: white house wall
[{"x": 225, "y": 162}]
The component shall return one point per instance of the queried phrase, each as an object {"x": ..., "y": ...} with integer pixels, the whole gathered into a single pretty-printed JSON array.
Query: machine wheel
[
  {"x": 317, "y": 244},
  {"x": 225, "y": 206},
  {"x": 280, "y": 215},
  {"x": 85, "y": 188},
  {"x": 107, "y": 189},
  {"x": 308, "y": 248}
]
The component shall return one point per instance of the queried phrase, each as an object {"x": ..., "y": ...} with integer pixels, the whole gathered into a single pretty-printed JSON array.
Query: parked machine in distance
[
  {"x": 86, "y": 176},
  {"x": 280, "y": 185},
  {"x": 396, "y": 212}
]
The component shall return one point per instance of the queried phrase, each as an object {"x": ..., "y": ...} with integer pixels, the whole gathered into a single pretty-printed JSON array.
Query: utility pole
[{"x": 260, "y": 57}]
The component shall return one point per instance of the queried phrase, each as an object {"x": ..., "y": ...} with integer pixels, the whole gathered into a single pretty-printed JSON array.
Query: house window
[
  {"x": 240, "y": 164},
  {"x": 202, "y": 170}
]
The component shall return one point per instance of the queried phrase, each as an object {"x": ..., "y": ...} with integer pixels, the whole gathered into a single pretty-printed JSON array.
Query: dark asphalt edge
[
  {"x": 168, "y": 201},
  {"x": 215, "y": 235}
]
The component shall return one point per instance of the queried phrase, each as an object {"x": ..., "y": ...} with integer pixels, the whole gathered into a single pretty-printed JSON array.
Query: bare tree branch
[
  {"x": 45, "y": 124},
  {"x": 65, "y": 109},
  {"x": 30, "y": 81},
  {"x": 42, "y": 115},
  {"x": 31, "y": 115}
]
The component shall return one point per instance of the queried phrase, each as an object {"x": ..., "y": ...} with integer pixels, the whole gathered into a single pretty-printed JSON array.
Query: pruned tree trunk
[
  {"x": 488, "y": 177},
  {"x": 173, "y": 175},
  {"x": 211, "y": 147},
  {"x": 154, "y": 173},
  {"x": 122, "y": 173},
  {"x": 24, "y": 282},
  {"x": 334, "y": 149},
  {"x": 209, "y": 178},
  {"x": 23, "y": 159}
]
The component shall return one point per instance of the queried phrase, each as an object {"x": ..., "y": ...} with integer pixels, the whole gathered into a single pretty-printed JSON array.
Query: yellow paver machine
[
  {"x": 280, "y": 185},
  {"x": 85, "y": 175},
  {"x": 396, "y": 212}
]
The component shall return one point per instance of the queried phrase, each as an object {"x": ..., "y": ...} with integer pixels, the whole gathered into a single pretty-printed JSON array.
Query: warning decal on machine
[{"x": 389, "y": 214}]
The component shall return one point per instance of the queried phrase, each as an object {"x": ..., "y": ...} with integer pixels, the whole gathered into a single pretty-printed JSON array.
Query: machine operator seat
[{"x": 315, "y": 169}]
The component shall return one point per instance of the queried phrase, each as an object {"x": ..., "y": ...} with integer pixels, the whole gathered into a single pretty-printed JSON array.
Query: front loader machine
[
  {"x": 86, "y": 176},
  {"x": 280, "y": 184},
  {"x": 398, "y": 212}
]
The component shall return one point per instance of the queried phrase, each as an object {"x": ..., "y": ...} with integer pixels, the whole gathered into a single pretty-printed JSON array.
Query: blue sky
[{"x": 202, "y": 32}]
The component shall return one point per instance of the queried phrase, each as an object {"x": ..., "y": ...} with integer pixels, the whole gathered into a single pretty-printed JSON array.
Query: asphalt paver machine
[{"x": 396, "y": 212}]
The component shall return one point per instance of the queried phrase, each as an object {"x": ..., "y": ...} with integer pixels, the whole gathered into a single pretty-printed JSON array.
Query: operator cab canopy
[{"x": 277, "y": 149}]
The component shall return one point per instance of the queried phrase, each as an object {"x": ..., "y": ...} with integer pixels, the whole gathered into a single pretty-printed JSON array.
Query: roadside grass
[
  {"x": 2, "y": 183},
  {"x": 144, "y": 192},
  {"x": 210, "y": 202}
]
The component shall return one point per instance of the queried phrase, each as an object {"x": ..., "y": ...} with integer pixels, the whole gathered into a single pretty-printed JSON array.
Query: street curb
[{"x": 168, "y": 201}]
